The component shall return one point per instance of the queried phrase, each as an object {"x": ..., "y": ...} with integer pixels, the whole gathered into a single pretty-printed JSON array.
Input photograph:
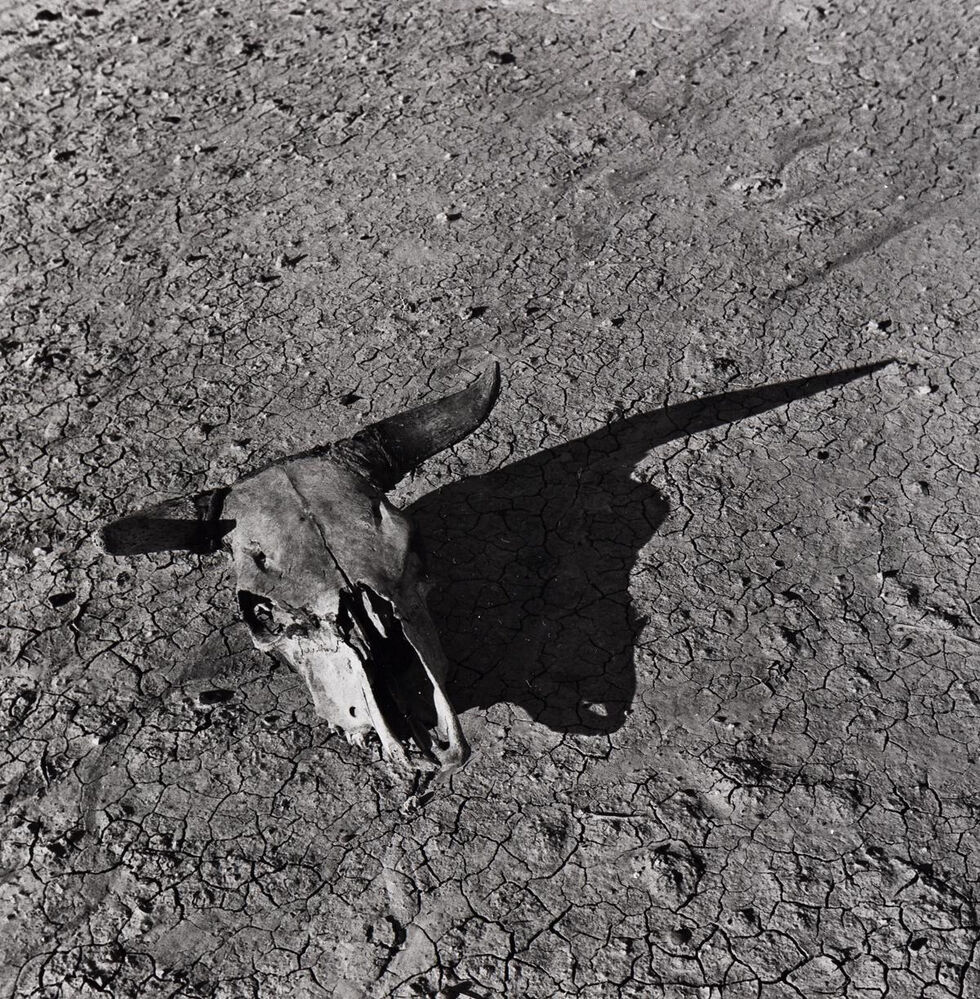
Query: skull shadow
[{"x": 530, "y": 564}]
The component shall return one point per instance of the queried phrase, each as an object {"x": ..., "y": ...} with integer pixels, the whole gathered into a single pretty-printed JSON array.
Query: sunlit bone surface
[{"x": 328, "y": 576}]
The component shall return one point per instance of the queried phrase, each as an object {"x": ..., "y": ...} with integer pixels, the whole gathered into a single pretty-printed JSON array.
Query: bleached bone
[{"x": 329, "y": 578}]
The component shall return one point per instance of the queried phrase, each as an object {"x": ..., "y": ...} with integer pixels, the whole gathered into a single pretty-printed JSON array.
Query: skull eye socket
[
  {"x": 269, "y": 621},
  {"x": 260, "y": 614}
]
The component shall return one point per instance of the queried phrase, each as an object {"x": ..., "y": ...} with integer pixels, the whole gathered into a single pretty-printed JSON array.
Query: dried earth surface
[{"x": 715, "y": 628}]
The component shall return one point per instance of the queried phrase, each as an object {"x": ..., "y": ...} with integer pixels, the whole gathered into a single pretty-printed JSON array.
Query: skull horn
[
  {"x": 190, "y": 523},
  {"x": 389, "y": 449}
]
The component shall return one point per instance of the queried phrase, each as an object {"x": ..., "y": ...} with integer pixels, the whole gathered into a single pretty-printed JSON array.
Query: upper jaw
[
  {"x": 373, "y": 670},
  {"x": 403, "y": 666},
  {"x": 440, "y": 742}
]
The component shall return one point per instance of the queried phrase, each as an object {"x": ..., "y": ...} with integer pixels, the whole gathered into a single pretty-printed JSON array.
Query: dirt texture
[{"x": 710, "y": 593}]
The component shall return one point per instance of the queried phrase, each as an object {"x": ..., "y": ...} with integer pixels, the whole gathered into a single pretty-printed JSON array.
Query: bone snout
[
  {"x": 404, "y": 677},
  {"x": 367, "y": 670}
]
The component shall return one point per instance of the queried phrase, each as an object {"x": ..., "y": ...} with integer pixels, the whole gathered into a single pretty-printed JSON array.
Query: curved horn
[{"x": 389, "y": 449}]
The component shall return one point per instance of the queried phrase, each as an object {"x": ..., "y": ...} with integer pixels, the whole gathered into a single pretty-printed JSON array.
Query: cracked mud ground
[{"x": 718, "y": 661}]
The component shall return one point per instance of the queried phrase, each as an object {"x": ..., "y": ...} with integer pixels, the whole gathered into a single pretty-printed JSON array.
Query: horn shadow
[{"x": 530, "y": 564}]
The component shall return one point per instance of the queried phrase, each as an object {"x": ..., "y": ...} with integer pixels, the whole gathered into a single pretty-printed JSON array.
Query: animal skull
[{"x": 329, "y": 578}]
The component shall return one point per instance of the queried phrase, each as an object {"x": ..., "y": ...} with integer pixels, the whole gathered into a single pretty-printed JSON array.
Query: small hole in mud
[
  {"x": 918, "y": 943},
  {"x": 215, "y": 696},
  {"x": 353, "y": 712}
]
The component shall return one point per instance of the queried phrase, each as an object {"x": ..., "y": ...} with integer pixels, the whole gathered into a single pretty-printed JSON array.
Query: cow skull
[{"x": 328, "y": 576}]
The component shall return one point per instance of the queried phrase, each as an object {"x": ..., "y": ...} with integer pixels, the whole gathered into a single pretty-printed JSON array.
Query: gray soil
[{"x": 715, "y": 629}]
